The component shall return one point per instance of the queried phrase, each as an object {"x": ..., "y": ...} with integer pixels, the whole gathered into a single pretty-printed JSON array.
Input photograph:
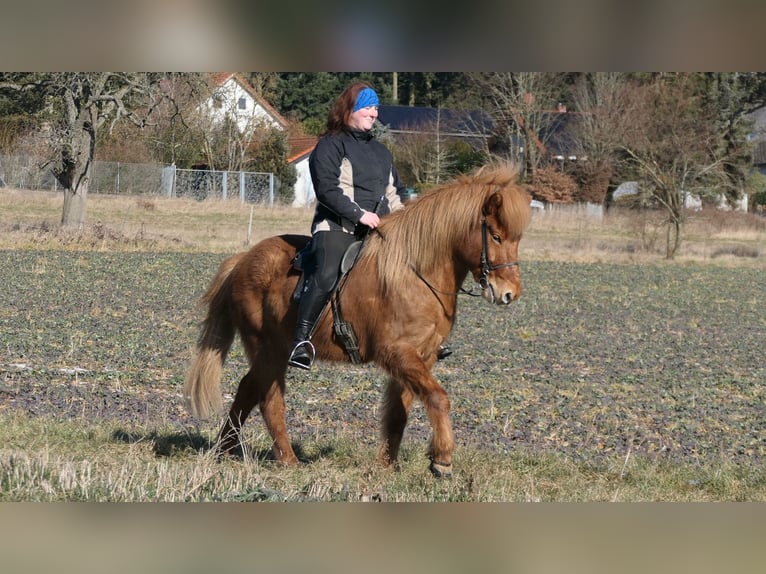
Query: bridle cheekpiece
[{"x": 486, "y": 266}]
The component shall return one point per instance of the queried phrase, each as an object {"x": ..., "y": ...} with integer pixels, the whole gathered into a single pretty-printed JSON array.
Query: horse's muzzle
[{"x": 498, "y": 297}]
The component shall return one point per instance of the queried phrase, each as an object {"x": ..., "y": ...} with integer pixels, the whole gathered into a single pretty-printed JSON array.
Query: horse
[{"x": 400, "y": 298}]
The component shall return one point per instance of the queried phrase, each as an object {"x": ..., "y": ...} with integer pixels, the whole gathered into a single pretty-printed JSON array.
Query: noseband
[{"x": 486, "y": 266}]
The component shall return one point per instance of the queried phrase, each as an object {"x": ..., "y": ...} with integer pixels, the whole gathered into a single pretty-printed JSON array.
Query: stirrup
[
  {"x": 443, "y": 352},
  {"x": 302, "y": 355}
]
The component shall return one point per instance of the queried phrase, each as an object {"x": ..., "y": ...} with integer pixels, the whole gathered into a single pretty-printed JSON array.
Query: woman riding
[{"x": 356, "y": 184}]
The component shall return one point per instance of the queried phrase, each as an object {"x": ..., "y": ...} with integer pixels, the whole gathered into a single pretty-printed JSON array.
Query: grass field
[{"x": 617, "y": 376}]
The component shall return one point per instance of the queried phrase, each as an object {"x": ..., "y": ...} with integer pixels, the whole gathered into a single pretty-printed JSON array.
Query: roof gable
[{"x": 233, "y": 82}]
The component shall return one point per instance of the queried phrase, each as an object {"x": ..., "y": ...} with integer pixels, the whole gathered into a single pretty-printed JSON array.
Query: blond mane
[{"x": 418, "y": 235}]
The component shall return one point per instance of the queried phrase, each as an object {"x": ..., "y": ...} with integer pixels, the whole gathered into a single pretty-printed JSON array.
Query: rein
[
  {"x": 486, "y": 269},
  {"x": 460, "y": 291}
]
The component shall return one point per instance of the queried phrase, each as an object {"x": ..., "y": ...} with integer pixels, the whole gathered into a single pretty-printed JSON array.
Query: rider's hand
[{"x": 370, "y": 219}]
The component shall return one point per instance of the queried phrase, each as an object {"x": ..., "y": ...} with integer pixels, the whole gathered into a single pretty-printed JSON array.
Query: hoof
[
  {"x": 443, "y": 352},
  {"x": 440, "y": 469}
]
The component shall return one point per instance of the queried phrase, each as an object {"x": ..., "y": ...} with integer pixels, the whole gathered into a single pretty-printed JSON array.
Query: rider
[{"x": 356, "y": 184}]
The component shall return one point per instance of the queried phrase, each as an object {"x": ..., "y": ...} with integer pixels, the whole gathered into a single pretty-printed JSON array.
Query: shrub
[{"x": 551, "y": 186}]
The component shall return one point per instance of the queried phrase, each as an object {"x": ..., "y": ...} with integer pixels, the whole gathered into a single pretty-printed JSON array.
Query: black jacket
[{"x": 352, "y": 172}]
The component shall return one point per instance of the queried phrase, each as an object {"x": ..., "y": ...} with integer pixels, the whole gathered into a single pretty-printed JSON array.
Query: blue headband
[{"x": 367, "y": 97}]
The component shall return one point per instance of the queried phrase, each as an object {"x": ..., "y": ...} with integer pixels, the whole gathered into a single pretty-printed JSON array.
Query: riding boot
[
  {"x": 443, "y": 352},
  {"x": 310, "y": 307}
]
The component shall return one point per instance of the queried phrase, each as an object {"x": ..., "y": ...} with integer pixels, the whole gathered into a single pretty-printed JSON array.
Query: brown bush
[
  {"x": 593, "y": 181},
  {"x": 552, "y": 186}
]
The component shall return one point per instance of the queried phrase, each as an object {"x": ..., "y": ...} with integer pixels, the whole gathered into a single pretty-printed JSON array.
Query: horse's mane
[{"x": 418, "y": 235}]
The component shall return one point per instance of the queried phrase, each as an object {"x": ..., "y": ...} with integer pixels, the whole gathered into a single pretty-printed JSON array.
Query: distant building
[
  {"x": 472, "y": 126},
  {"x": 233, "y": 96}
]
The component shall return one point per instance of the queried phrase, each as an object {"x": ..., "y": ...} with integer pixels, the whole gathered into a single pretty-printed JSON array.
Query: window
[{"x": 242, "y": 104}]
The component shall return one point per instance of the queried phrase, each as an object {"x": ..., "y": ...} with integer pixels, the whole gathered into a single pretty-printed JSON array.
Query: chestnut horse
[{"x": 400, "y": 299}]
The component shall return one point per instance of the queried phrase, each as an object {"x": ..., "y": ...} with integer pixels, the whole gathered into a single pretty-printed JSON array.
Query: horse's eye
[{"x": 496, "y": 237}]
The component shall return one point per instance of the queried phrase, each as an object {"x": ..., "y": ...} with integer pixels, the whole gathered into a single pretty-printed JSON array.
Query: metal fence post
[
  {"x": 224, "y": 184},
  {"x": 271, "y": 190},
  {"x": 242, "y": 187}
]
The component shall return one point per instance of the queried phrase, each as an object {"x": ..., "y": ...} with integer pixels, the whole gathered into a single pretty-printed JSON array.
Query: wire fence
[{"x": 120, "y": 178}]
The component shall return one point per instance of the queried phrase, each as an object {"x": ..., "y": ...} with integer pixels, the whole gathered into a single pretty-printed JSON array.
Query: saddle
[{"x": 341, "y": 327}]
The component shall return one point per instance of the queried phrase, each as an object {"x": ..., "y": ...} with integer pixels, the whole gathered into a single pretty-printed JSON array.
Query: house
[
  {"x": 558, "y": 137},
  {"x": 300, "y": 150},
  {"x": 233, "y": 96},
  {"x": 479, "y": 129},
  {"x": 472, "y": 126}
]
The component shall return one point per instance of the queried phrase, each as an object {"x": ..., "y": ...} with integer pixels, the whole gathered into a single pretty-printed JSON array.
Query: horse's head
[{"x": 505, "y": 213}]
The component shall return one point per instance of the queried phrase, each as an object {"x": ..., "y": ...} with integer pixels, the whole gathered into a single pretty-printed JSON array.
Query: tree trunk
[
  {"x": 75, "y": 203},
  {"x": 74, "y": 171},
  {"x": 673, "y": 239}
]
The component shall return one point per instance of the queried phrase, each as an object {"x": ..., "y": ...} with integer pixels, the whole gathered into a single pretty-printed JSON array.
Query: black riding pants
[
  {"x": 327, "y": 252},
  {"x": 322, "y": 269}
]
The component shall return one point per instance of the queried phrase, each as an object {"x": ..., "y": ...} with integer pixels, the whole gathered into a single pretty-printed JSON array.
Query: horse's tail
[{"x": 202, "y": 390}]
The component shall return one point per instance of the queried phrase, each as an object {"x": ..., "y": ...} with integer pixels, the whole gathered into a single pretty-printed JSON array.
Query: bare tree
[
  {"x": 523, "y": 104},
  {"x": 669, "y": 141},
  {"x": 599, "y": 99},
  {"x": 81, "y": 104}
]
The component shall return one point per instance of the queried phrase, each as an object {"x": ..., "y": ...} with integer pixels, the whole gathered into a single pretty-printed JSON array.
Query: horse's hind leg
[
  {"x": 265, "y": 389},
  {"x": 396, "y": 407},
  {"x": 272, "y": 406},
  {"x": 244, "y": 401}
]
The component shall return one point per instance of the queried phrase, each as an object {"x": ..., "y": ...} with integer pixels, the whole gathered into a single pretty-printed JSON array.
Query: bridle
[
  {"x": 486, "y": 269},
  {"x": 486, "y": 266}
]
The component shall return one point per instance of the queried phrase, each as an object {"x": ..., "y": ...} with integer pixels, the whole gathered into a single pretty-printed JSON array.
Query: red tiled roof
[
  {"x": 219, "y": 78},
  {"x": 299, "y": 146}
]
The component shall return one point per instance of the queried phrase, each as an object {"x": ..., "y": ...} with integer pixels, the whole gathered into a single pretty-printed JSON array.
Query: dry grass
[
  {"x": 29, "y": 219},
  {"x": 49, "y": 461},
  {"x": 724, "y": 238}
]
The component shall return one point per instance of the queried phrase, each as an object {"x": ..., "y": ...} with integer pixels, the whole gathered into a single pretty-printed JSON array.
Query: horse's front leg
[{"x": 414, "y": 375}]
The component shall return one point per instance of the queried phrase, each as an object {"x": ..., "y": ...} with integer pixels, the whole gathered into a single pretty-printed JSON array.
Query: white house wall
[
  {"x": 304, "y": 189},
  {"x": 229, "y": 94}
]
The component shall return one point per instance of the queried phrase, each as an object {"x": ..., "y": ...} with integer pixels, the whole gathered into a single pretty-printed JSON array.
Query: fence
[
  {"x": 249, "y": 187},
  {"x": 588, "y": 210},
  {"x": 147, "y": 179}
]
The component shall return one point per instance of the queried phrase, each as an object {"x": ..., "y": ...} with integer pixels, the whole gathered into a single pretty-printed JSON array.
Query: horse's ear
[{"x": 492, "y": 204}]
